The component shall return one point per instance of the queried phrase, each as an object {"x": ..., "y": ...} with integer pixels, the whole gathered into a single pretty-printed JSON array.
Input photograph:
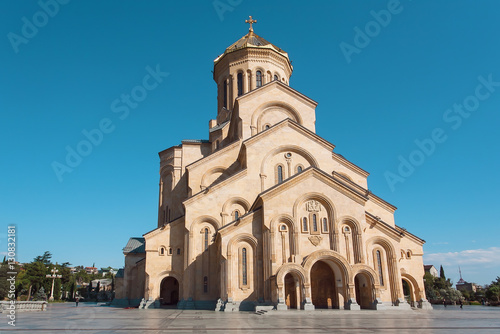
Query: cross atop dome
[{"x": 251, "y": 21}]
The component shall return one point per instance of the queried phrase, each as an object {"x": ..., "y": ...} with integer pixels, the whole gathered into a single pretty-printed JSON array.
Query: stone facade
[{"x": 264, "y": 213}]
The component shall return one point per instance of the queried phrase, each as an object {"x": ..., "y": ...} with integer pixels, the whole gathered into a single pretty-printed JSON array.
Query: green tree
[
  {"x": 430, "y": 292},
  {"x": 35, "y": 274},
  {"x": 4, "y": 284},
  {"x": 493, "y": 291},
  {"x": 45, "y": 258},
  {"x": 441, "y": 273},
  {"x": 451, "y": 294}
]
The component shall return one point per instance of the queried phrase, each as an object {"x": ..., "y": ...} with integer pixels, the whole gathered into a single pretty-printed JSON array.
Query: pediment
[
  {"x": 273, "y": 87},
  {"x": 313, "y": 177}
]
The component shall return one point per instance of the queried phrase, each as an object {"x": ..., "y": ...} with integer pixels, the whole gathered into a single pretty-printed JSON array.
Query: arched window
[
  {"x": 244, "y": 278},
  {"x": 236, "y": 214},
  {"x": 267, "y": 126},
  {"x": 240, "y": 84},
  {"x": 304, "y": 224},
  {"x": 225, "y": 93},
  {"x": 162, "y": 251},
  {"x": 258, "y": 79},
  {"x": 279, "y": 171},
  {"x": 299, "y": 169},
  {"x": 315, "y": 224},
  {"x": 178, "y": 251},
  {"x": 379, "y": 265},
  {"x": 205, "y": 284},
  {"x": 170, "y": 251},
  {"x": 325, "y": 225},
  {"x": 206, "y": 238},
  {"x": 276, "y": 77},
  {"x": 283, "y": 227}
]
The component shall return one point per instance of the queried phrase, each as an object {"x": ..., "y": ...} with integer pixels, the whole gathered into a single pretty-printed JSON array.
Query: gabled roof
[
  {"x": 287, "y": 122},
  {"x": 281, "y": 85},
  {"x": 349, "y": 191},
  {"x": 135, "y": 245}
]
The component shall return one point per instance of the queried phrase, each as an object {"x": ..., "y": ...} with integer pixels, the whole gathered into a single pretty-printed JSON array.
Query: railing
[{"x": 28, "y": 306}]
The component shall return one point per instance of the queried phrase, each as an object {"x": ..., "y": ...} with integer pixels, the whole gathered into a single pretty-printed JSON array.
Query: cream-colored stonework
[{"x": 265, "y": 212}]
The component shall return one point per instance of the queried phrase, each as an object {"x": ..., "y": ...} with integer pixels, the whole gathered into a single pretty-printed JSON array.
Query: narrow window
[
  {"x": 259, "y": 79},
  {"x": 325, "y": 225},
  {"x": 162, "y": 251},
  {"x": 240, "y": 84},
  {"x": 379, "y": 263},
  {"x": 304, "y": 224},
  {"x": 170, "y": 251},
  {"x": 236, "y": 214},
  {"x": 315, "y": 223},
  {"x": 299, "y": 169},
  {"x": 244, "y": 266},
  {"x": 206, "y": 238},
  {"x": 205, "y": 284},
  {"x": 276, "y": 78},
  {"x": 267, "y": 126},
  {"x": 178, "y": 251},
  {"x": 280, "y": 174},
  {"x": 225, "y": 94}
]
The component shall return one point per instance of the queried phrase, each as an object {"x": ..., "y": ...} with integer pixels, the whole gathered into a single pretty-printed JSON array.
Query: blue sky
[{"x": 379, "y": 92}]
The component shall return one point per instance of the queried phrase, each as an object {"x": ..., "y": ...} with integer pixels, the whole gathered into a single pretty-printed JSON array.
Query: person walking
[
  {"x": 77, "y": 300},
  {"x": 461, "y": 304}
]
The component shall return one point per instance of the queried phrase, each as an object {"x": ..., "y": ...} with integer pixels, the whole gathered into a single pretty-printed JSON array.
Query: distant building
[
  {"x": 429, "y": 268},
  {"x": 462, "y": 285},
  {"x": 110, "y": 270},
  {"x": 104, "y": 284},
  {"x": 91, "y": 270}
]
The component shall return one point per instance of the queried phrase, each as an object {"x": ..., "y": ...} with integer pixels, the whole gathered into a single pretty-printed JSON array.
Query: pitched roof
[{"x": 135, "y": 245}]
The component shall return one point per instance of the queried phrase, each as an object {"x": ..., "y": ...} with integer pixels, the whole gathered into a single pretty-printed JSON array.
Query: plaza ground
[{"x": 89, "y": 318}]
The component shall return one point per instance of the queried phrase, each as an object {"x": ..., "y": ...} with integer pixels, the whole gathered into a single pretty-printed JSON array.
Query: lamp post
[{"x": 53, "y": 276}]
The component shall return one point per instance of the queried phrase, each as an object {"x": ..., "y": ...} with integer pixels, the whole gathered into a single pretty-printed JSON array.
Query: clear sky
[{"x": 410, "y": 92}]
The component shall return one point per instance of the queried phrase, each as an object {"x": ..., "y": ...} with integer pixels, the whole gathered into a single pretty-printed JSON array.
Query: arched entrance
[
  {"x": 292, "y": 292},
  {"x": 408, "y": 292},
  {"x": 169, "y": 291},
  {"x": 323, "y": 286},
  {"x": 364, "y": 295}
]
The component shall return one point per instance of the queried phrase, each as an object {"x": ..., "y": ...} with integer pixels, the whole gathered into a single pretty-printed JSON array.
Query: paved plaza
[{"x": 89, "y": 318}]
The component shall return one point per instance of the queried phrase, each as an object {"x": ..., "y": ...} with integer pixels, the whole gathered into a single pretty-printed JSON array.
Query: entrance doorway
[
  {"x": 408, "y": 293},
  {"x": 323, "y": 286},
  {"x": 169, "y": 291},
  {"x": 364, "y": 295},
  {"x": 291, "y": 292}
]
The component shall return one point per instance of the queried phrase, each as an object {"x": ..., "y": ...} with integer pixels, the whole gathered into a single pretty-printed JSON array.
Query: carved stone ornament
[
  {"x": 313, "y": 206},
  {"x": 315, "y": 239}
]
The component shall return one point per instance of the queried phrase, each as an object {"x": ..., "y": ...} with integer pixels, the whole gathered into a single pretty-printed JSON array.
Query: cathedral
[{"x": 264, "y": 213}]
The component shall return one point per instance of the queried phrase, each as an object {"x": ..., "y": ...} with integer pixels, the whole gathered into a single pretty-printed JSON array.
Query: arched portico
[
  {"x": 329, "y": 275},
  {"x": 291, "y": 283}
]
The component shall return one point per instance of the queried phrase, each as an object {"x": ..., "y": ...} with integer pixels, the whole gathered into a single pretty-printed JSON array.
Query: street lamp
[{"x": 53, "y": 276}]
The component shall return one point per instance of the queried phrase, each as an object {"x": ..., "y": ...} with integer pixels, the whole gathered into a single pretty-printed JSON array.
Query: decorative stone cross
[{"x": 251, "y": 21}]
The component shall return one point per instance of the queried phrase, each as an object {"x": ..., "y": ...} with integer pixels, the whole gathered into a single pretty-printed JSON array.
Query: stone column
[
  {"x": 245, "y": 83},
  {"x": 262, "y": 180},
  {"x": 234, "y": 89},
  {"x": 308, "y": 305},
  {"x": 297, "y": 294},
  {"x": 351, "y": 303}
]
